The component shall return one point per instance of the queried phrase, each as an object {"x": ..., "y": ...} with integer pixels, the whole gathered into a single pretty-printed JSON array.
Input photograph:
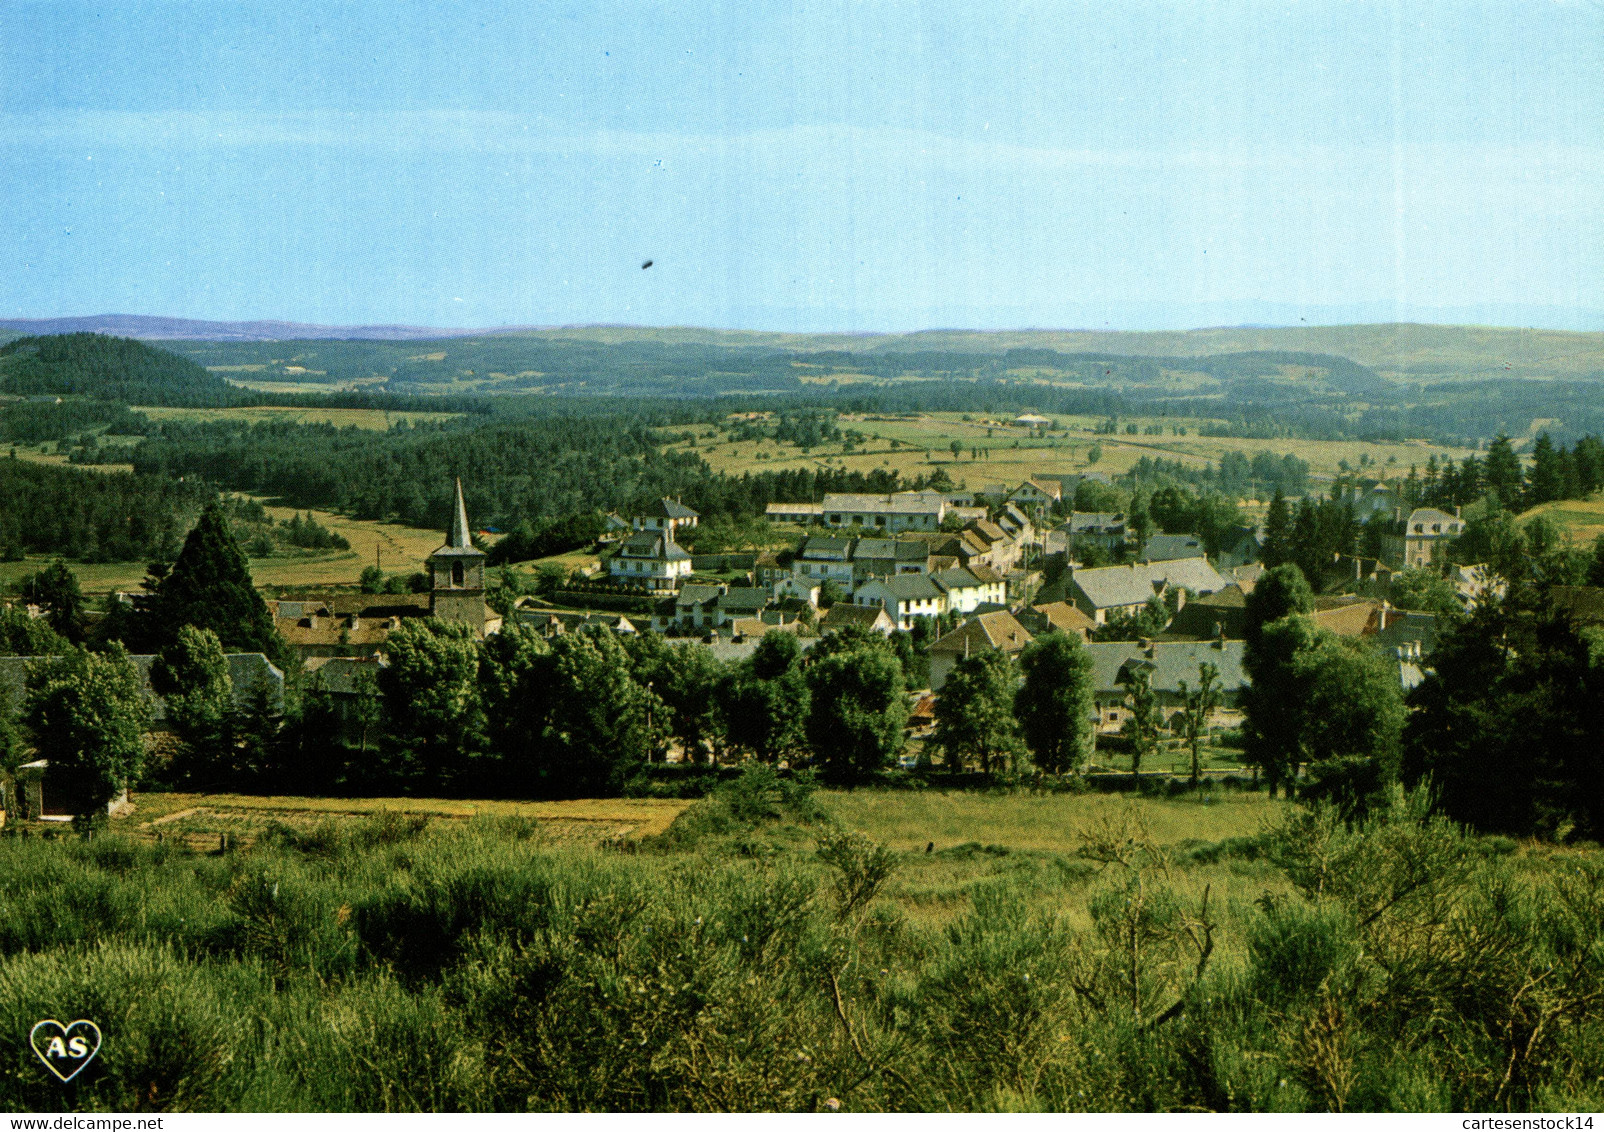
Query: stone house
[
  {"x": 905, "y": 597},
  {"x": 1168, "y": 664},
  {"x": 1422, "y": 538},
  {"x": 985, "y": 632}
]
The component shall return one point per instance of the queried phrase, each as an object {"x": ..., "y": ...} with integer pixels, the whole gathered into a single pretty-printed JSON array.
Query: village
[{"x": 962, "y": 573}]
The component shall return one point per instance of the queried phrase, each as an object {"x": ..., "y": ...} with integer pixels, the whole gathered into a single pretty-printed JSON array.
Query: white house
[
  {"x": 903, "y": 511},
  {"x": 651, "y": 560},
  {"x": 968, "y": 588},
  {"x": 825, "y": 559},
  {"x": 905, "y": 597},
  {"x": 666, "y": 515}
]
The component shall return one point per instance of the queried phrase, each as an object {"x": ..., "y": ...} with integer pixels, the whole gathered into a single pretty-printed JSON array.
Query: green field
[
  {"x": 378, "y": 420},
  {"x": 1009, "y": 454},
  {"x": 767, "y": 950},
  {"x": 1581, "y": 519},
  {"x": 397, "y": 549}
]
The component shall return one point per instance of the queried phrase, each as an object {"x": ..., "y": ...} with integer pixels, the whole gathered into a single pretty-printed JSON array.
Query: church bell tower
[{"x": 457, "y": 575}]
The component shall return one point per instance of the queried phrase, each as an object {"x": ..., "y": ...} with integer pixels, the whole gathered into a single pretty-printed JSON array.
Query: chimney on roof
[{"x": 1456, "y": 511}]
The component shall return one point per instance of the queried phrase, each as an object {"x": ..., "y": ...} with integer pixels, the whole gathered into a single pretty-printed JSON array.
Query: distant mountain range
[
  {"x": 1400, "y": 351},
  {"x": 177, "y": 329}
]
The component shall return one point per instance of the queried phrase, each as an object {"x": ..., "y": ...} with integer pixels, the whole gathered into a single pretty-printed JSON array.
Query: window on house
[{"x": 456, "y": 573}]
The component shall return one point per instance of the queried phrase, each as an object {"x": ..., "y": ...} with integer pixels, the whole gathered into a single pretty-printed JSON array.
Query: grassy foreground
[{"x": 772, "y": 949}]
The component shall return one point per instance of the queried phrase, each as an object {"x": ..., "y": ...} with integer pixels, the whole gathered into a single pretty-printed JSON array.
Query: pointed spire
[{"x": 458, "y": 537}]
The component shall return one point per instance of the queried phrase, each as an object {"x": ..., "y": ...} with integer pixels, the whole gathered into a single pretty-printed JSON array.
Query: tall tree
[
  {"x": 1508, "y": 726},
  {"x": 432, "y": 701},
  {"x": 602, "y": 724},
  {"x": 1054, "y": 704},
  {"x": 1272, "y": 718},
  {"x": 1547, "y": 475},
  {"x": 517, "y": 690},
  {"x": 1308, "y": 550},
  {"x": 1141, "y": 726},
  {"x": 765, "y": 700},
  {"x": 858, "y": 709},
  {"x": 1277, "y": 547},
  {"x": 1502, "y": 471},
  {"x": 210, "y": 587},
  {"x": 55, "y": 590},
  {"x": 1279, "y": 592},
  {"x": 191, "y": 675},
  {"x": 1351, "y": 718},
  {"x": 87, "y": 714},
  {"x": 974, "y": 713},
  {"x": 1200, "y": 703}
]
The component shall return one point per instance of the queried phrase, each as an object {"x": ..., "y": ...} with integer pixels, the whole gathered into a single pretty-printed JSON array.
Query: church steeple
[
  {"x": 458, "y": 537},
  {"x": 457, "y": 574}
]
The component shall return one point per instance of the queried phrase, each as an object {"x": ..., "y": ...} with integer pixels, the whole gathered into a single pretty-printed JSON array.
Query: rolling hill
[{"x": 110, "y": 369}]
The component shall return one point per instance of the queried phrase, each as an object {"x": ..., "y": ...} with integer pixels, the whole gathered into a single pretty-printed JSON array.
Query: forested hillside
[
  {"x": 531, "y": 469},
  {"x": 93, "y": 517},
  {"x": 113, "y": 369}
]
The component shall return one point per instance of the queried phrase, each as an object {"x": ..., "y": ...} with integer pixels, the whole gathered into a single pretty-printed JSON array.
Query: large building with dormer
[{"x": 1422, "y": 538}]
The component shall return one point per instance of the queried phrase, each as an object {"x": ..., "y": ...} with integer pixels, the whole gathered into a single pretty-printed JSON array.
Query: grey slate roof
[
  {"x": 1405, "y": 627},
  {"x": 1172, "y": 662},
  {"x": 1165, "y": 548},
  {"x": 963, "y": 578},
  {"x": 652, "y": 544},
  {"x": 906, "y": 587},
  {"x": 891, "y": 549},
  {"x": 1107, "y": 587},
  {"x": 830, "y": 549},
  {"x": 840, "y": 615},
  {"x": 911, "y": 503},
  {"x": 1095, "y": 522},
  {"x": 1193, "y": 573},
  {"x": 669, "y": 509},
  {"x": 695, "y": 594},
  {"x": 743, "y": 599}
]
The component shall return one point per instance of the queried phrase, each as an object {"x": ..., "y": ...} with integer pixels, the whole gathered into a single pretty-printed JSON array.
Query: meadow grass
[
  {"x": 375, "y": 420},
  {"x": 1581, "y": 519},
  {"x": 909, "y": 820},
  {"x": 763, "y": 953},
  {"x": 394, "y": 547},
  {"x": 1059, "y": 454}
]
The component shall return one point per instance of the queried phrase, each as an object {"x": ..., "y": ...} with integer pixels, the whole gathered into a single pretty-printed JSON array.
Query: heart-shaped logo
[{"x": 65, "y": 1050}]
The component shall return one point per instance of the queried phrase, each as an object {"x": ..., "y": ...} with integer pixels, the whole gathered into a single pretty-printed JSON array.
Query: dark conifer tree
[
  {"x": 1548, "y": 473},
  {"x": 210, "y": 587},
  {"x": 1307, "y": 548},
  {"x": 1502, "y": 472},
  {"x": 1277, "y": 532}
]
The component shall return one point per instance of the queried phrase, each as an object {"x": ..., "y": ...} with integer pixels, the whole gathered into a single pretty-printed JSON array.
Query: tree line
[{"x": 93, "y": 517}]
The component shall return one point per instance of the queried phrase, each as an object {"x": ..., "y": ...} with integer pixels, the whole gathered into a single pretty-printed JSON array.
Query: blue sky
[{"x": 852, "y": 166}]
